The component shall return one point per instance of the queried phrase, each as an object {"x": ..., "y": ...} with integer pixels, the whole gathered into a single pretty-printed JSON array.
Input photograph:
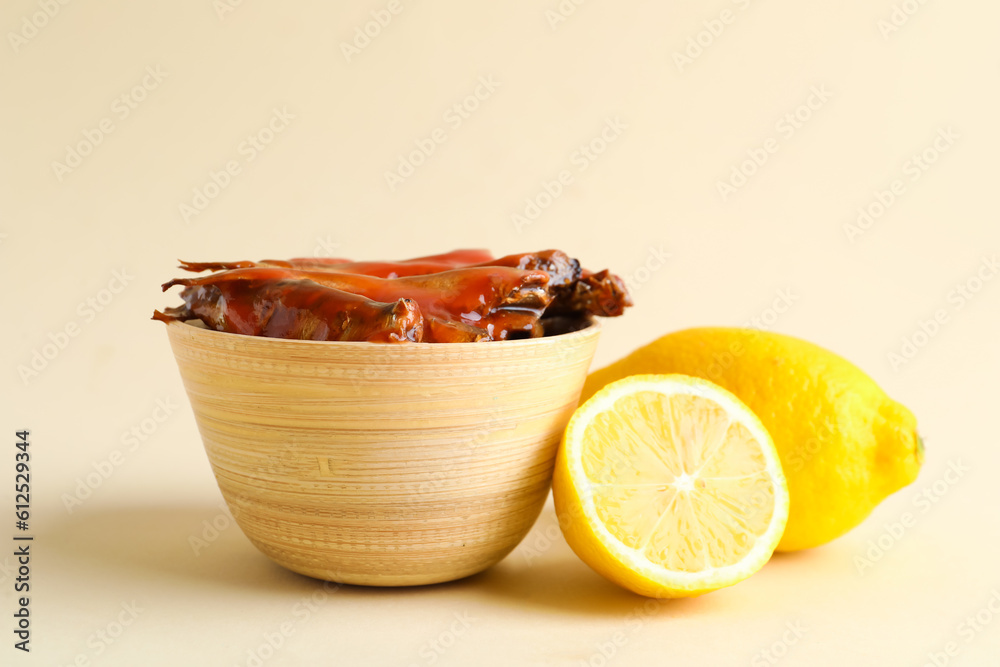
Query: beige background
[{"x": 320, "y": 188}]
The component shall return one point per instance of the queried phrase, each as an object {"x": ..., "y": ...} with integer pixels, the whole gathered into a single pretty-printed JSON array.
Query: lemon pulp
[{"x": 671, "y": 486}]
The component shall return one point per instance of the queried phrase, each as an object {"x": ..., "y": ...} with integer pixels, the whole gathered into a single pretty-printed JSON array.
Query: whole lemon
[{"x": 844, "y": 444}]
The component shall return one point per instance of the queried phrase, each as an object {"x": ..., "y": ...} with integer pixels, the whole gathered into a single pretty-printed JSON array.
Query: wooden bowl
[{"x": 382, "y": 464}]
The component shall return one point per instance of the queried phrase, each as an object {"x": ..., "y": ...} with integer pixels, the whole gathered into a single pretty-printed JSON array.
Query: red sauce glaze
[
  {"x": 298, "y": 309},
  {"x": 459, "y": 296},
  {"x": 418, "y": 266},
  {"x": 466, "y": 304}
]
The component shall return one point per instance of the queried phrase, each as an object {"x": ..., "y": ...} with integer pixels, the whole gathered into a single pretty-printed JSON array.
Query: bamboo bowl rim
[{"x": 592, "y": 328}]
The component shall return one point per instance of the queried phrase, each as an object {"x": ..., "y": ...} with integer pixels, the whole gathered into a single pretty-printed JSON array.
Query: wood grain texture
[{"x": 379, "y": 464}]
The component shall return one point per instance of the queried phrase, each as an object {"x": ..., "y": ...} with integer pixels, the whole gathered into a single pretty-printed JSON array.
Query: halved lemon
[{"x": 669, "y": 486}]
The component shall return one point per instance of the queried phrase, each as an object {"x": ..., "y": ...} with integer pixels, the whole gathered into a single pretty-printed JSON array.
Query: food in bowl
[{"x": 457, "y": 297}]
